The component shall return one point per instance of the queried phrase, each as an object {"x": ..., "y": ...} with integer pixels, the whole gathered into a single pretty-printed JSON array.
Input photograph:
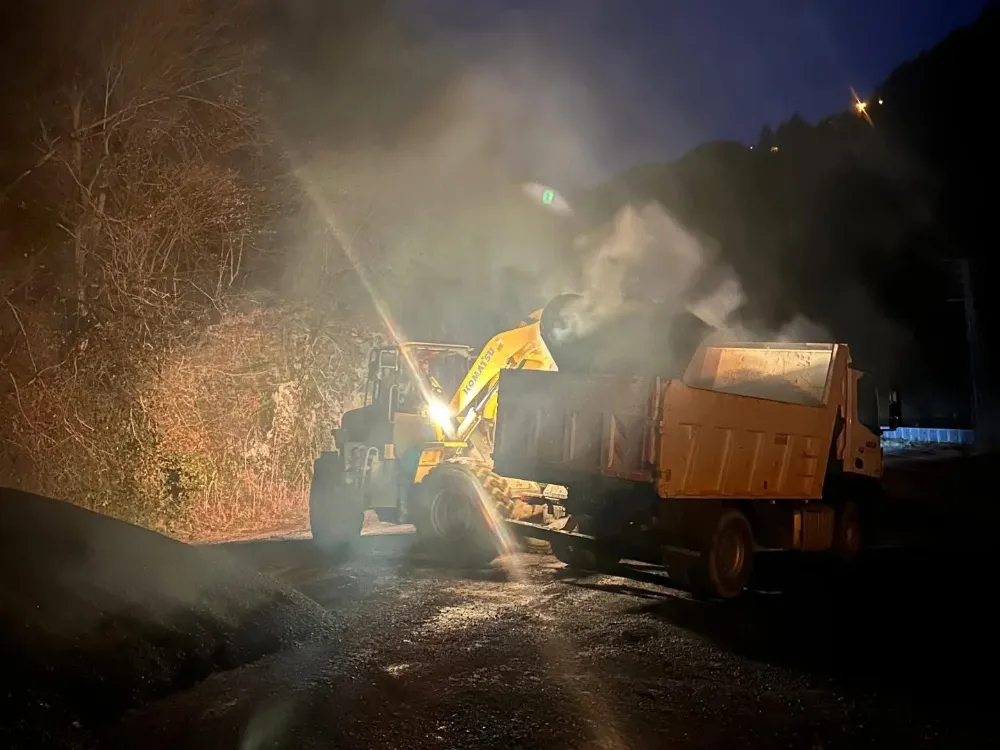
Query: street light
[{"x": 861, "y": 106}]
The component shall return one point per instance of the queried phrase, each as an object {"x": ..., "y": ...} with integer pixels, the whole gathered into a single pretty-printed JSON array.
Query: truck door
[{"x": 863, "y": 448}]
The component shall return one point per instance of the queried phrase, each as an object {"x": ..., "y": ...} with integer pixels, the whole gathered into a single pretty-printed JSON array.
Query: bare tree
[{"x": 144, "y": 380}]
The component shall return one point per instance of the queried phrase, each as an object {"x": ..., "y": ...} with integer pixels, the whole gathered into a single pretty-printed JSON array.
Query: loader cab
[
  {"x": 379, "y": 442},
  {"x": 400, "y": 377}
]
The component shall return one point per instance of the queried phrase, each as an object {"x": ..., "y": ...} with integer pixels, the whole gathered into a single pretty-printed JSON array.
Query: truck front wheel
[
  {"x": 336, "y": 509},
  {"x": 726, "y": 562}
]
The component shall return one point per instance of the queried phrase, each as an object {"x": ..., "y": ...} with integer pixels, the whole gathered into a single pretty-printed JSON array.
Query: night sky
[{"x": 605, "y": 84}]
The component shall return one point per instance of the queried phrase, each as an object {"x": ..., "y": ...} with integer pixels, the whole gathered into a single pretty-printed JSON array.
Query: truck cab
[{"x": 862, "y": 446}]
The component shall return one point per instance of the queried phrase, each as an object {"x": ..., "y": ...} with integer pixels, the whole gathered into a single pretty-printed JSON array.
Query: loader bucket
[{"x": 655, "y": 340}]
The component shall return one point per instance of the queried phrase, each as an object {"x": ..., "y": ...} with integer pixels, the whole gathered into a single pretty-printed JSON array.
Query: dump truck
[{"x": 752, "y": 446}]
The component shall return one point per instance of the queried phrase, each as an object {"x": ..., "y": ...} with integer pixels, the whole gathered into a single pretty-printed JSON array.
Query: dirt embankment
[{"x": 97, "y": 616}]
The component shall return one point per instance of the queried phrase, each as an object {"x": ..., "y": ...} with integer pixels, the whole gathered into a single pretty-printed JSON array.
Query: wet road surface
[{"x": 528, "y": 654}]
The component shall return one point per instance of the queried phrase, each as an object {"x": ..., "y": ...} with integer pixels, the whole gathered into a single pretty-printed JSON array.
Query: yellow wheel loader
[{"x": 415, "y": 454}]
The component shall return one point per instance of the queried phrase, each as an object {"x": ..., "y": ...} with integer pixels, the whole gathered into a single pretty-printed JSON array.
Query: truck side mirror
[{"x": 895, "y": 409}]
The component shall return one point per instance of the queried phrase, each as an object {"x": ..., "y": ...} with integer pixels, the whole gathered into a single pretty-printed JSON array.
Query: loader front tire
[
  {"x": 336, "y": 509},
  {"x": 456, "y": 510}
]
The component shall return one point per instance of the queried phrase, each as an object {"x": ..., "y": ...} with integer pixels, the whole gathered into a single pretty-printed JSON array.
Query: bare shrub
[
  {"x": 141, "y": 374},
  {"x": 239, "y": 416}
]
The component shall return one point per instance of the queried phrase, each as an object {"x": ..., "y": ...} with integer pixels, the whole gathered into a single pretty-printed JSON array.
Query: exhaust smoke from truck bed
[{"x": 652, "y": 292}]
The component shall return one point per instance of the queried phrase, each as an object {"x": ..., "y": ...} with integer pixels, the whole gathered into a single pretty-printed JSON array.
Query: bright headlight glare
[{"x": 440, "y": 414}]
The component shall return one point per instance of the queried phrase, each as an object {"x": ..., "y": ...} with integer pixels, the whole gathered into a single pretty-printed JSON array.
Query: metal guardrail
[{"x": 937, "y": 435}]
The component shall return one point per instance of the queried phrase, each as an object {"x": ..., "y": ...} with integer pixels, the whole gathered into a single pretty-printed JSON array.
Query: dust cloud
[
  {"x": 431, "y": 199},
  {"x": 424, "y": 177},
  {"x": 649, "y": 258}
]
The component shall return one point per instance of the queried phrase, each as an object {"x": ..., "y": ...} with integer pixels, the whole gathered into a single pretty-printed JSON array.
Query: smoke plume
[{"x": 648, "y": 258}]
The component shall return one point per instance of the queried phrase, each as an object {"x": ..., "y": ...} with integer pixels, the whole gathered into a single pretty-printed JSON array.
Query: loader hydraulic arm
[{"x": 476, "y": 397}]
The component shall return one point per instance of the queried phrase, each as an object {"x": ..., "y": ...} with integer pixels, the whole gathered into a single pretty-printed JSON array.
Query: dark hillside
[{"x": 851, "y": 224}]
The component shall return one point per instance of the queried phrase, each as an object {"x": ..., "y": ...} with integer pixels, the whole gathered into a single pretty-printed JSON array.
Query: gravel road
[
  {"x": 527, "y": 654},
  {"x": 115, "y": 637}
]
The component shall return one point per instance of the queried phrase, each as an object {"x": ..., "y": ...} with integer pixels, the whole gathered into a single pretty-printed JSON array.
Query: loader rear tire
[
  {"x": 456, "y": 510},
  {"x": 336, "y": 509},
  {"x": 726, "y": 562}
]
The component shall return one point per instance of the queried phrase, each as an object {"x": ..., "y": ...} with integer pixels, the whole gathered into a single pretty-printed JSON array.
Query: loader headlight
[{"x": 440, "y": 414}]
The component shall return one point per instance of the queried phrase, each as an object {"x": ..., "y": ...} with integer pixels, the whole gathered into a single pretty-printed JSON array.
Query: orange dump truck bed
[{"x": 745, "y": 420}]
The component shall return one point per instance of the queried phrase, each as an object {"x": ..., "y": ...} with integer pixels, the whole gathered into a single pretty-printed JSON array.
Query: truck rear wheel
[
  {"x": 456, "y": 509},
  {"x": 848, "y": 534},
  {"x": 726, "y": 562},
  {"x": 336, "y": 509}
]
